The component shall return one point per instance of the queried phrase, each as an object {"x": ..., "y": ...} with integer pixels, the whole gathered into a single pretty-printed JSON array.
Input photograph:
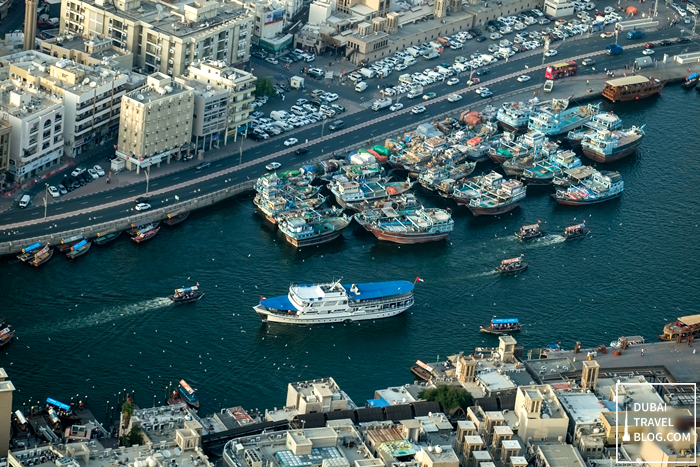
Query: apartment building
[
  {"x": 210, "y": 117},
  {"x": 155, "y": 123},
  {"x": 540, "y": 415},
  {"x": 96, "y": 51},
  {"x": 163, "y": 37},
  {"x": 240, "y": 86},
  {"x": 5, "y": 134}
]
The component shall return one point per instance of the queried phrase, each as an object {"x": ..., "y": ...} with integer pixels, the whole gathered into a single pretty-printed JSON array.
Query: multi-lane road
[{"x": 118, "y": 201}]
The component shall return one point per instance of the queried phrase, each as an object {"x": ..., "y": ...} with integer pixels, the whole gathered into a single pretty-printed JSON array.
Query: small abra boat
[
  {"x": 42, "y": 257},
  {"x": 145, "y": 236},
  {"x": 513, "y": 265},
  {"x": 502, "y": 326},
  {"x": 177, "y": 217},
  {"x": 67, "y": 243},
  {"x": 107, "y": 236},
  {"x": 423, "y": 371},
  {"x": 529, "y": 231},
  {"x": 690, "y": 81},
  {"x": 79, "y": 249},
  {"x": 575, "y": 231},
  {"x": 187, "y": 294},
  {"x": 188, "y": 394},
  {"x": 29, "y": 252},
  {"x": 6, "y": 335}
]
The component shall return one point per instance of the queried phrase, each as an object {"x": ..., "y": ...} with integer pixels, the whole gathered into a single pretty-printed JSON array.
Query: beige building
[
  {"x": 210, "y": 114},
  {"x": 437, "y": 456},
  {"x": 6, "y": 390},
  {"x": 94, "y": 51},
  {"x": 5, "y": 134},
  {"x": 240, "y": 86},
  {"x": 540, "y": 415},
  {"x": 164, "y": 37},
  {"x": 322, "y": 395},
  {"x": 379, "y": 7},
  {"x": 155, "y": 123}
]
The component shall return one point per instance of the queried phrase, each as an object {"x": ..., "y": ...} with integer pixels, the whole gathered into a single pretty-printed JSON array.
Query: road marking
[
  {"x": 108, "y": 197},
  {"x": 58, "y": 209},
  {"x": 176, "y": 178},
  {"x": 131, "y": 191},
  {"x": 35, "y": 213},
  {"x": 217, "y": 165},
  {"x": 154, "y": 184},
  {"x": 84, "y": 202},
  {"x": 73, "y": 222},
  {"x": 341, "y": 142}
]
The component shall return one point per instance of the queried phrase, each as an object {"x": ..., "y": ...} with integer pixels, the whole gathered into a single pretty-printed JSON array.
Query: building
[
  {"x": 540, "y": 415},
  {"x": 375, "y": 7},
  {"x": 556, "y": 455},
  {"x": 322, "y": 395},
  {"x": 93, "y": 52},
  {"x": 155, "y": 123},
  {"x": 559, "y": 8},
  {"x": 30, "y": 19},
  {"x": 240, "y": 86},
  {"x": 210, "y": 117},
  {"x": 5, "y": 134},
  {"x": 163, "y": 37},
  {"x": 6, "y": 391},
  {"x": 586, "y": 430}
]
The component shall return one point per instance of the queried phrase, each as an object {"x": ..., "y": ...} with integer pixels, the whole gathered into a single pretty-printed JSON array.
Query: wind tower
[{"x": 30, "y": 18}]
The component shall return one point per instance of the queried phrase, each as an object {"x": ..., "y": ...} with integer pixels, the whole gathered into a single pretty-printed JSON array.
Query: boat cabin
[
  {"x": 526, "y": 229},
  {"x": 632, "y": 88},
  {"x": 514, "y": 261},
  {"x": 187, "y": 391},
  {"x": 505, "y": 323},
  {"x": 575, "y": 228},
  {"x": 683, "y": 328}
]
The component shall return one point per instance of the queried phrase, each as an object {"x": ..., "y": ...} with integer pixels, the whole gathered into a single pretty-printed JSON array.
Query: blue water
[{"x": 101, "y": 324}]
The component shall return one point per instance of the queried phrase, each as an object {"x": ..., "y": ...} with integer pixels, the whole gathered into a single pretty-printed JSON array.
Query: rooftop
[
  {"x": 157, "y": 87},
  {"x": 560, "y": 455},
  {"x": 626, "y": 81},
  {"x": 582, "y": 407}
]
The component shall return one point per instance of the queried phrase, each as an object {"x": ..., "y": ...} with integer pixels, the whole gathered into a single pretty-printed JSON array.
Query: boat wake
[
  {"x": 482, "y": 274},
  {"x": 547, "y": 240},
  {"x": 106, "y": 315}
]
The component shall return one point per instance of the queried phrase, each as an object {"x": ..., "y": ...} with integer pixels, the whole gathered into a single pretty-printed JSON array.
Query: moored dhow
[
  {"x": 42, "y": 256},
  {"x": 67, "y": 243},
  {"x": 514, "y": 116},
  {"x": 347, "y": 191},
  {"x": 500, "y": 198},
  {"x": 601, "y": 186},
  {"x": 29, "y": 252},
  {"x": 79, "y": 249},
  {"x": 312, "y": 229},
  {"x": 557, "y": 118},
  {"x": 145, "y": 235},
  {"x": 681, "y": 329},
  {"x": 632, "y": 88},
  {"x": 421, "y": 226},
  {"x": 336, "y": 303},
  {"x": 609, "y": 146},
  {"x": 106, "y": 236},
  {"x": 601, "y": 121}
]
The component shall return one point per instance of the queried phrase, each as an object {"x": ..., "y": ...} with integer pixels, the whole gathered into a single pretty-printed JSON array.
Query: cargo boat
[
  {"x": 67, "y": 243},
  {"x": 314, "y": 230},
  {"x": 575, "y": 231},
  {"x": 106, "y": 236},
  {"x": 514, "y": 116},
  {"x": 146, "y": 235},
  {"x": 631, "y": 88},
  {"x": 557, "y": 118},
  {"x": 527, "y": 232},
  {"x": 272, "y": 207},
  {"x": 29, "y": 252},
  {"x": 434, "y": 175},
  {"x": 601, "y": 121},
  {"x": 502, "y": 326},
  {"x": 421, "y": 226},
  {"x": 404, "y": 201},
  {"x": 499, "y": 199},
  {"x": 601, "y": 186},
  {"x": 187, "y": 294},
  {"x": 42, "y": 256},
  {"x": 682, "y": 328},
  {"x": 6, "y": 335},
  {"x": 79, "y": 249},
  {"x": 690, "y": 81},
  {"x": 423, "y": 371},
  {"x": 573, "y": 176},
  {"x": 511, "y": 266},
  {"x": 468, "y": 189},
  {"x": 347, "y": 191},
  {"x": 608, "y": 146},
  {"x": 335, "y": 303}
]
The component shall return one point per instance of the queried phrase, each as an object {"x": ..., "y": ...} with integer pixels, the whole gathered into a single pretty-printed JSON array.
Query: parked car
[
  {"x": 62, "y": 189},
  {"x": 77, "y": 171},
  {"x": 53, "y": 191},
  {"x": 274, "y": 61},
  {"x": 100, "y": 171},
  {"x": 92, "y": 173}
]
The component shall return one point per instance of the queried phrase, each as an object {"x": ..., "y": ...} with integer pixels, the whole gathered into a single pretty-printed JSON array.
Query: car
[
  {"x": 452, "y": 81},
  {"x": 606, "y": 34},
  {"x": 330, "y": 97},
  {"x": 74, "y": 183},
  {"x": 480, "y": 39},
  {"x": 683, "y": 40},
  {"x": 665, "y": 42},
  {"x": 588, "y": 62},
  {"x": 473, "y": 81},
  {"x": 301, "y": 151},
  {"x": 77, "y": 171},
  {"x": 286, "y": 60},
  {"x": 273, "y": 166},
  {"x": 550, "y": 53},
  {"x": 485, "y": 94},
  {"x": 495, "y": 36},
  {"x": 482, "y": 72},
  {"x": 649, "y": 45},
  {"x": 258, "y": 136},
  {"x": 419, "y": 109},
  {"x": 523, "y": 78},
  {"x": 53, "y": 191},
  {"x": 84, "y": 178},
  {"x": 92, "y": 174},
  {"x": 202, "y": 165},
  {"x": 430, "y": 95},
  {"x": 62, "y": 189},
  {"x": 291, "y": 142},
  {"x": 100, "y": 171},
  {"x": 454, "y": 97},
  {"x": 338, "y": 107},
  {"x": 260, "y": 55},
  {"x": 456, "y": 46},
  {"x": 395, "y": 107},
  {"x": 648, "y": 52},
  {"x": 274, "y": 61},
  {"x": 143, "y": 207},
  {"x": 317, "y": 93}
]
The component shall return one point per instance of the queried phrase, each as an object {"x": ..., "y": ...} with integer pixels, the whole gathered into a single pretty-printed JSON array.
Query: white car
[
  {"x": 482, "y": 90},
  {"x": 550, "y": 53},
  {"x": 53, "y": 191},
  {"x": 330, "y": 97},
  {"x": 291, "y": 142},
  {"x": 419, "y": 109},
  {"x": 400, "y": 67},
  {"x": 272, "y": 60},
  {"x": 143, "y": 206},
  {"x": 100, "y": 171},
  {"x": 273, "y": 166},
  {"x": 523, "y": 78},
  {"x": 395, "y": 107},
  {"x": 454, "y": 97},
  {"x": 93, "y": 174},
  {"x": 77, "y": 171},
  {"x": 452, "y": 81},
  {"x": 648, "y": 52}
]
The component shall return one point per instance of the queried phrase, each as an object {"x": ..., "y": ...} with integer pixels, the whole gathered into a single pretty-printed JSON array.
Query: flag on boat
[
  {"x": 419, "y": 279},
  {"x": 262, "y": 298}
]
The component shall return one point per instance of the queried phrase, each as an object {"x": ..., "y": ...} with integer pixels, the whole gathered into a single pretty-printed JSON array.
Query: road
[{"x": 351, "y": 136}]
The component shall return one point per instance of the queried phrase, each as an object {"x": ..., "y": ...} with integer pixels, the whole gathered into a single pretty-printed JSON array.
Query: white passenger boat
[{"x": 336, "y": 303}]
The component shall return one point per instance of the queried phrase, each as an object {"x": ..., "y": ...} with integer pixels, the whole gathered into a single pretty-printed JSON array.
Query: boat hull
[
  {"x": 344, "y": 317},
  {"x": 146, "y": 237},
  {"x": 537, "y": 181},
  {"x": 422, "y": 373},
  {"x": 519, "y": 130},
  {"x": 406, "y": 238},
  {"x": 321, "y": 239},
  {"x": 575, "y": 202},
  {"x": 522, "y": 268},
  {"x": 177, "y": 219},
  {"x": 78, "y": 253},
  {"x": 186, "y": 300},
  {"x": 481, "y": 211},
  {"x": 489, "y": 330},
  {"x": 99, "y": 241},
  {"x": 44, "y": 260},
  {"x": 528, "y": 237},
  {"x": 618, "y": 154},
  {"x": 583, "y": 233},
  {"x": 65, "y": 247}
]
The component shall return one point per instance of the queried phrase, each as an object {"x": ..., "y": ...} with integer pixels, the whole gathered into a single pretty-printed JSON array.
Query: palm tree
[{"x": 127, "y": 411}]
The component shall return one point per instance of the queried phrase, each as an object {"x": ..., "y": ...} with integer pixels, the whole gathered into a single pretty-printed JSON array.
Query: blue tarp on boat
[
  {"x": 692, "y": 77},
  {"x": 31, "y": 247},
  {"x": 373, "y": 290},
  {"x": 79, "y": 245},
  {"x": 55, "y": 403},
  {"x": 505, "y": 321},
  {"x": 278, "y": 303}
]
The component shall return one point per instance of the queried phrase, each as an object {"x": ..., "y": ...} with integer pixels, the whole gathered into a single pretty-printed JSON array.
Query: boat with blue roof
[
  {"x": 333, "y": 302},
  {"x": 79, "y": 249},
  {"x": 502, "y": 326},
  {"x": 185, "y": 394},
  {"x": 690, "y": 81}
]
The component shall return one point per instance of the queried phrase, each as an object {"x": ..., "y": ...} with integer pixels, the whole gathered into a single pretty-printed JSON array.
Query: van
[
  {"x": 414, "y": 52},
  {"x": 409, "y": 61},
  {"x": 361, "y": 86},
  {"x": 336, "y": 125},
  {"x": 24, "y": 202}
]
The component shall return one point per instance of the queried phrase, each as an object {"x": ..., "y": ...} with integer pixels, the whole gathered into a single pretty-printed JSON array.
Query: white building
[{"x": 559, "y": 8}]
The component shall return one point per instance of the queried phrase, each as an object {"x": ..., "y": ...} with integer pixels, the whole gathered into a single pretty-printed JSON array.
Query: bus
[{"x": 561, "y": 70}]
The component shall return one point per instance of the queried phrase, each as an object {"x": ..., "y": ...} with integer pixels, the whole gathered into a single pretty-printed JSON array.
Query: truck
[
  {"x": 635, "y": 34},
  {"x": 361, "y": 86},
  {"x": 368, "y": 73},
  {"x": 380, "y": 104},
  {"x": 413, "y": 52},
  {"x": 614, "y": 49},
  {"x": 405, "y": 79},
  {"x": 279, "y": 115},
  {"x": 296, "y": 82},
  {"x": 429, "y": 55},
  {"x": 416, "y": 91},
  {"x": 461, "y": 67}
]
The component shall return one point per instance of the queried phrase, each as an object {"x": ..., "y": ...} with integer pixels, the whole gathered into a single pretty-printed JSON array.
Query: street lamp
[
  {"x": 46, "y": 196},
  {"x": 617, "y": 31},
  {"x": 148, "y": 176}
]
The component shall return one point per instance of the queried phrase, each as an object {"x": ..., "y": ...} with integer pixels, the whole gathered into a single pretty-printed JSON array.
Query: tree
[
  {"x": 264, "y": 87},
  {"x": 131, "y": 438},
  {"x": 450, "y": 397},
  {"x": 127, "y": 411}
]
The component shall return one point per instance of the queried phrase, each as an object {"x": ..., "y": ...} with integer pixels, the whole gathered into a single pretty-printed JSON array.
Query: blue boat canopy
[
  {"x": 31, "y": 247},
  {"x": 55, "y": 403},
  {"x": 505, "y": 321},
  {"x": 79, "y": 245},
  {"x": 692, "y": 77}
]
